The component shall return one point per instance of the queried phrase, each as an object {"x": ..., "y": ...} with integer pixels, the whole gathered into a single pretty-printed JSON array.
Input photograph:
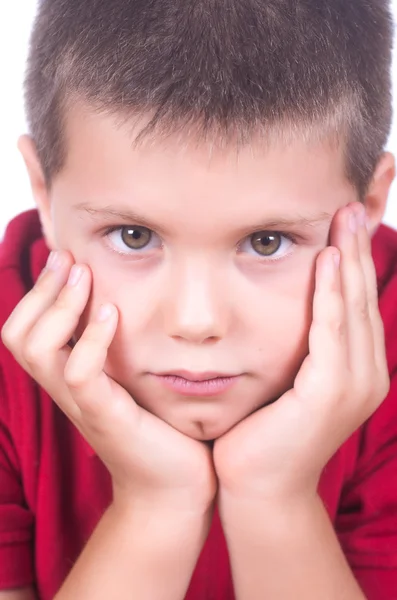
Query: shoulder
[
  {"x": 21, "y": 253},
  {"x": 20, "y": 411}
]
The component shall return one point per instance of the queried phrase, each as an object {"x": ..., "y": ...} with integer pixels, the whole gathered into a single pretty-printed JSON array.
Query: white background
[{"x": 16, "y": 18}]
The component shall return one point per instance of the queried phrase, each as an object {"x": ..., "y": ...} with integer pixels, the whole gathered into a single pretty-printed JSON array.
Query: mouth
[
  {"x": 187, "y": 383},
  {"x": 195, "y": 376}
]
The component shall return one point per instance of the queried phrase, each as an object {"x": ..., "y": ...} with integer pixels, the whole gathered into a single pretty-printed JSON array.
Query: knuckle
[
  {"x": 77, "y": 372},
  {"x": 65, "y": 307},
  {"x": 373, "y": 297},
  {"x": 8, "y": 336},
  {"x": 75, "y": 379},
  {"x": 91, "y": 347},
  {"x": 336, "y": 320},
  {"x": 36, "y": 350},
  {"x": 379, "y": 390},
  {"x": 337, "y": 326},
  {"x": 31, "y": 352},
  {"x": 91, "y": 337},
  {"x": 360, "y": 307},
  {"x": 62, "y": 303},
  {"x": 332, "y": 315},
  {"x": 384, "y": 386},
  {"x": 82, "y": 366},
  {"x": 41, "y": 286}
]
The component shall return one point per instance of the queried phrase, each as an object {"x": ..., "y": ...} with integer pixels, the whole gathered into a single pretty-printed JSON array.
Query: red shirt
[{"x": 54, "y": 489}]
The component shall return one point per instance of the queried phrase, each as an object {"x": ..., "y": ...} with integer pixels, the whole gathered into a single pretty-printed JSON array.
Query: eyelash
[{"x": 293, "y": 238}]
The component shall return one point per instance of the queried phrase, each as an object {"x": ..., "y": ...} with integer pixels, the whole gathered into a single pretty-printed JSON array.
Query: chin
[
  {"x": 203, "y": 432},
  {"x": 205, "y": 437}
]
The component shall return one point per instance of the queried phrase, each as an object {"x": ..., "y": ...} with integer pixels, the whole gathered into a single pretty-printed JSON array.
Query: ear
[
  {"x": 40, "y": 189},
  {"x": 378, "y": 192}
]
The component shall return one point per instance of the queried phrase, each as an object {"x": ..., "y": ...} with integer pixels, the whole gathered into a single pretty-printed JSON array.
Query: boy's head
[{"x": 193, "y": 154}]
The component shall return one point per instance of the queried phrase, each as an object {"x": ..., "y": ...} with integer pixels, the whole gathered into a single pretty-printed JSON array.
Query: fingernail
[
  {"x": 75, "y": 275},
  {"x": 54, "y": 261},
  {"x": 336, "y": 258},
  {"x": 104, "y": 312},
  {"x": 352, "y": 222}
]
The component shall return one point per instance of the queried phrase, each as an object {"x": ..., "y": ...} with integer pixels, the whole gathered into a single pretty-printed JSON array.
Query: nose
[{"x": 197, "y": 308}]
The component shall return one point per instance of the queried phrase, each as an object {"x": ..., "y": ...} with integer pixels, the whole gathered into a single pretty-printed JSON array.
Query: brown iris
[
  {"x": 266, "y": 243},
  {"x": 136, "y": 237}
]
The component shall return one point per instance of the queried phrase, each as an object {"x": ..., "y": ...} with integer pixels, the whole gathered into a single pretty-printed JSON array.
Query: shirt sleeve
[
  {"x": 16, "y": 520},
  {"x": 367, "y": 518}
]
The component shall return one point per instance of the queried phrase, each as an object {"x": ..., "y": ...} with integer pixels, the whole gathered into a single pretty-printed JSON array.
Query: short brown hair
[{"x": 225, "y": 69}]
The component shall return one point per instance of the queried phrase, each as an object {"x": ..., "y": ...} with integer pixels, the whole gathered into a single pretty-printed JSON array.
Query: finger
[
  {"x": 57, "y": 325},
  {"x": 35, "y": 303},
  {"x": 354, "y": 291},
  {"x": 371, "y": 284},
  {"x": 45, "y": 351},
  {"x": 109, "y": 419},
  {"x": 327, "y": 337},
  {"x": 92, "y": 390}
]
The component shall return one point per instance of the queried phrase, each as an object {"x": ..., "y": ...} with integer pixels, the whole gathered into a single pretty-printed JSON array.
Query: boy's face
[{"x": 224, "y": 280}]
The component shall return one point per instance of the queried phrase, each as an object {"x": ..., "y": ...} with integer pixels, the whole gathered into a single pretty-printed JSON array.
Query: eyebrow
[
  {"x": 131, "y": 217},
  {"x": 111, "y": 212}
]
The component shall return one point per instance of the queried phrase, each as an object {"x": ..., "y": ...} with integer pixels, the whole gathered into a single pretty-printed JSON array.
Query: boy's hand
[
  {"x": 280, "y": 451},
  {"x": 148, "y": 460}
]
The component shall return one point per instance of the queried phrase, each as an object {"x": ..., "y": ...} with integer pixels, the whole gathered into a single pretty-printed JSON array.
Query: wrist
[
  {"x": 157, "y": 508},
  {"x": 164, "y": 528},
  {"x": 269, "y": 490},
  {"x": 243, "y": 504},
  {"x": 155, "y": 502}
]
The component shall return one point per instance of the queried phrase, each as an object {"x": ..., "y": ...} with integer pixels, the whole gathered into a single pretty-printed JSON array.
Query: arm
[
  {"x": 147, "y": 543},
  {"x": 133, "y": 553},
  {"x": 285, "y": 551},
  {"x": 20, "y": 594},
  {"x": 136, "y": 554},
  {"x": 281, "y": 541}
]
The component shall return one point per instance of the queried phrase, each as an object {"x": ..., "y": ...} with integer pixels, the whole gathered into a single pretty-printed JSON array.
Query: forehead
[{"x": 103, "y": 162}]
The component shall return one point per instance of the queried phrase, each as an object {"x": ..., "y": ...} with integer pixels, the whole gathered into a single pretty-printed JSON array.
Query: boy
[{"x": 197, "y": 396}]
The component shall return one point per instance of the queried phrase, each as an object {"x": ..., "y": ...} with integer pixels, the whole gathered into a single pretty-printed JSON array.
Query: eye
[
  {"x": 132, "y": 238},
  {"x": 268, "y": 244}
]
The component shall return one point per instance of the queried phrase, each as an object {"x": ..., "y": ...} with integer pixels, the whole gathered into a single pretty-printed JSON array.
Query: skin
[
  {"x": 205, "y": 300},
  {"x": 197, "y": 303},
  {"x": 270, "y": 464}
]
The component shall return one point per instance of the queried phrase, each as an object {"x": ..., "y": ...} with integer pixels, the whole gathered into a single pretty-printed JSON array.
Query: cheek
[
  {"x": 282, "y": 325},
  {"x": 107, "y": 288},
  {"x": 130, "y": 295}
]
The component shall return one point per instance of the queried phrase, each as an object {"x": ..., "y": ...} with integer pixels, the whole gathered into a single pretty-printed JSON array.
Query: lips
[
  {"x": 203, "y": 376},
  {"x": 206, "y": 383}
]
